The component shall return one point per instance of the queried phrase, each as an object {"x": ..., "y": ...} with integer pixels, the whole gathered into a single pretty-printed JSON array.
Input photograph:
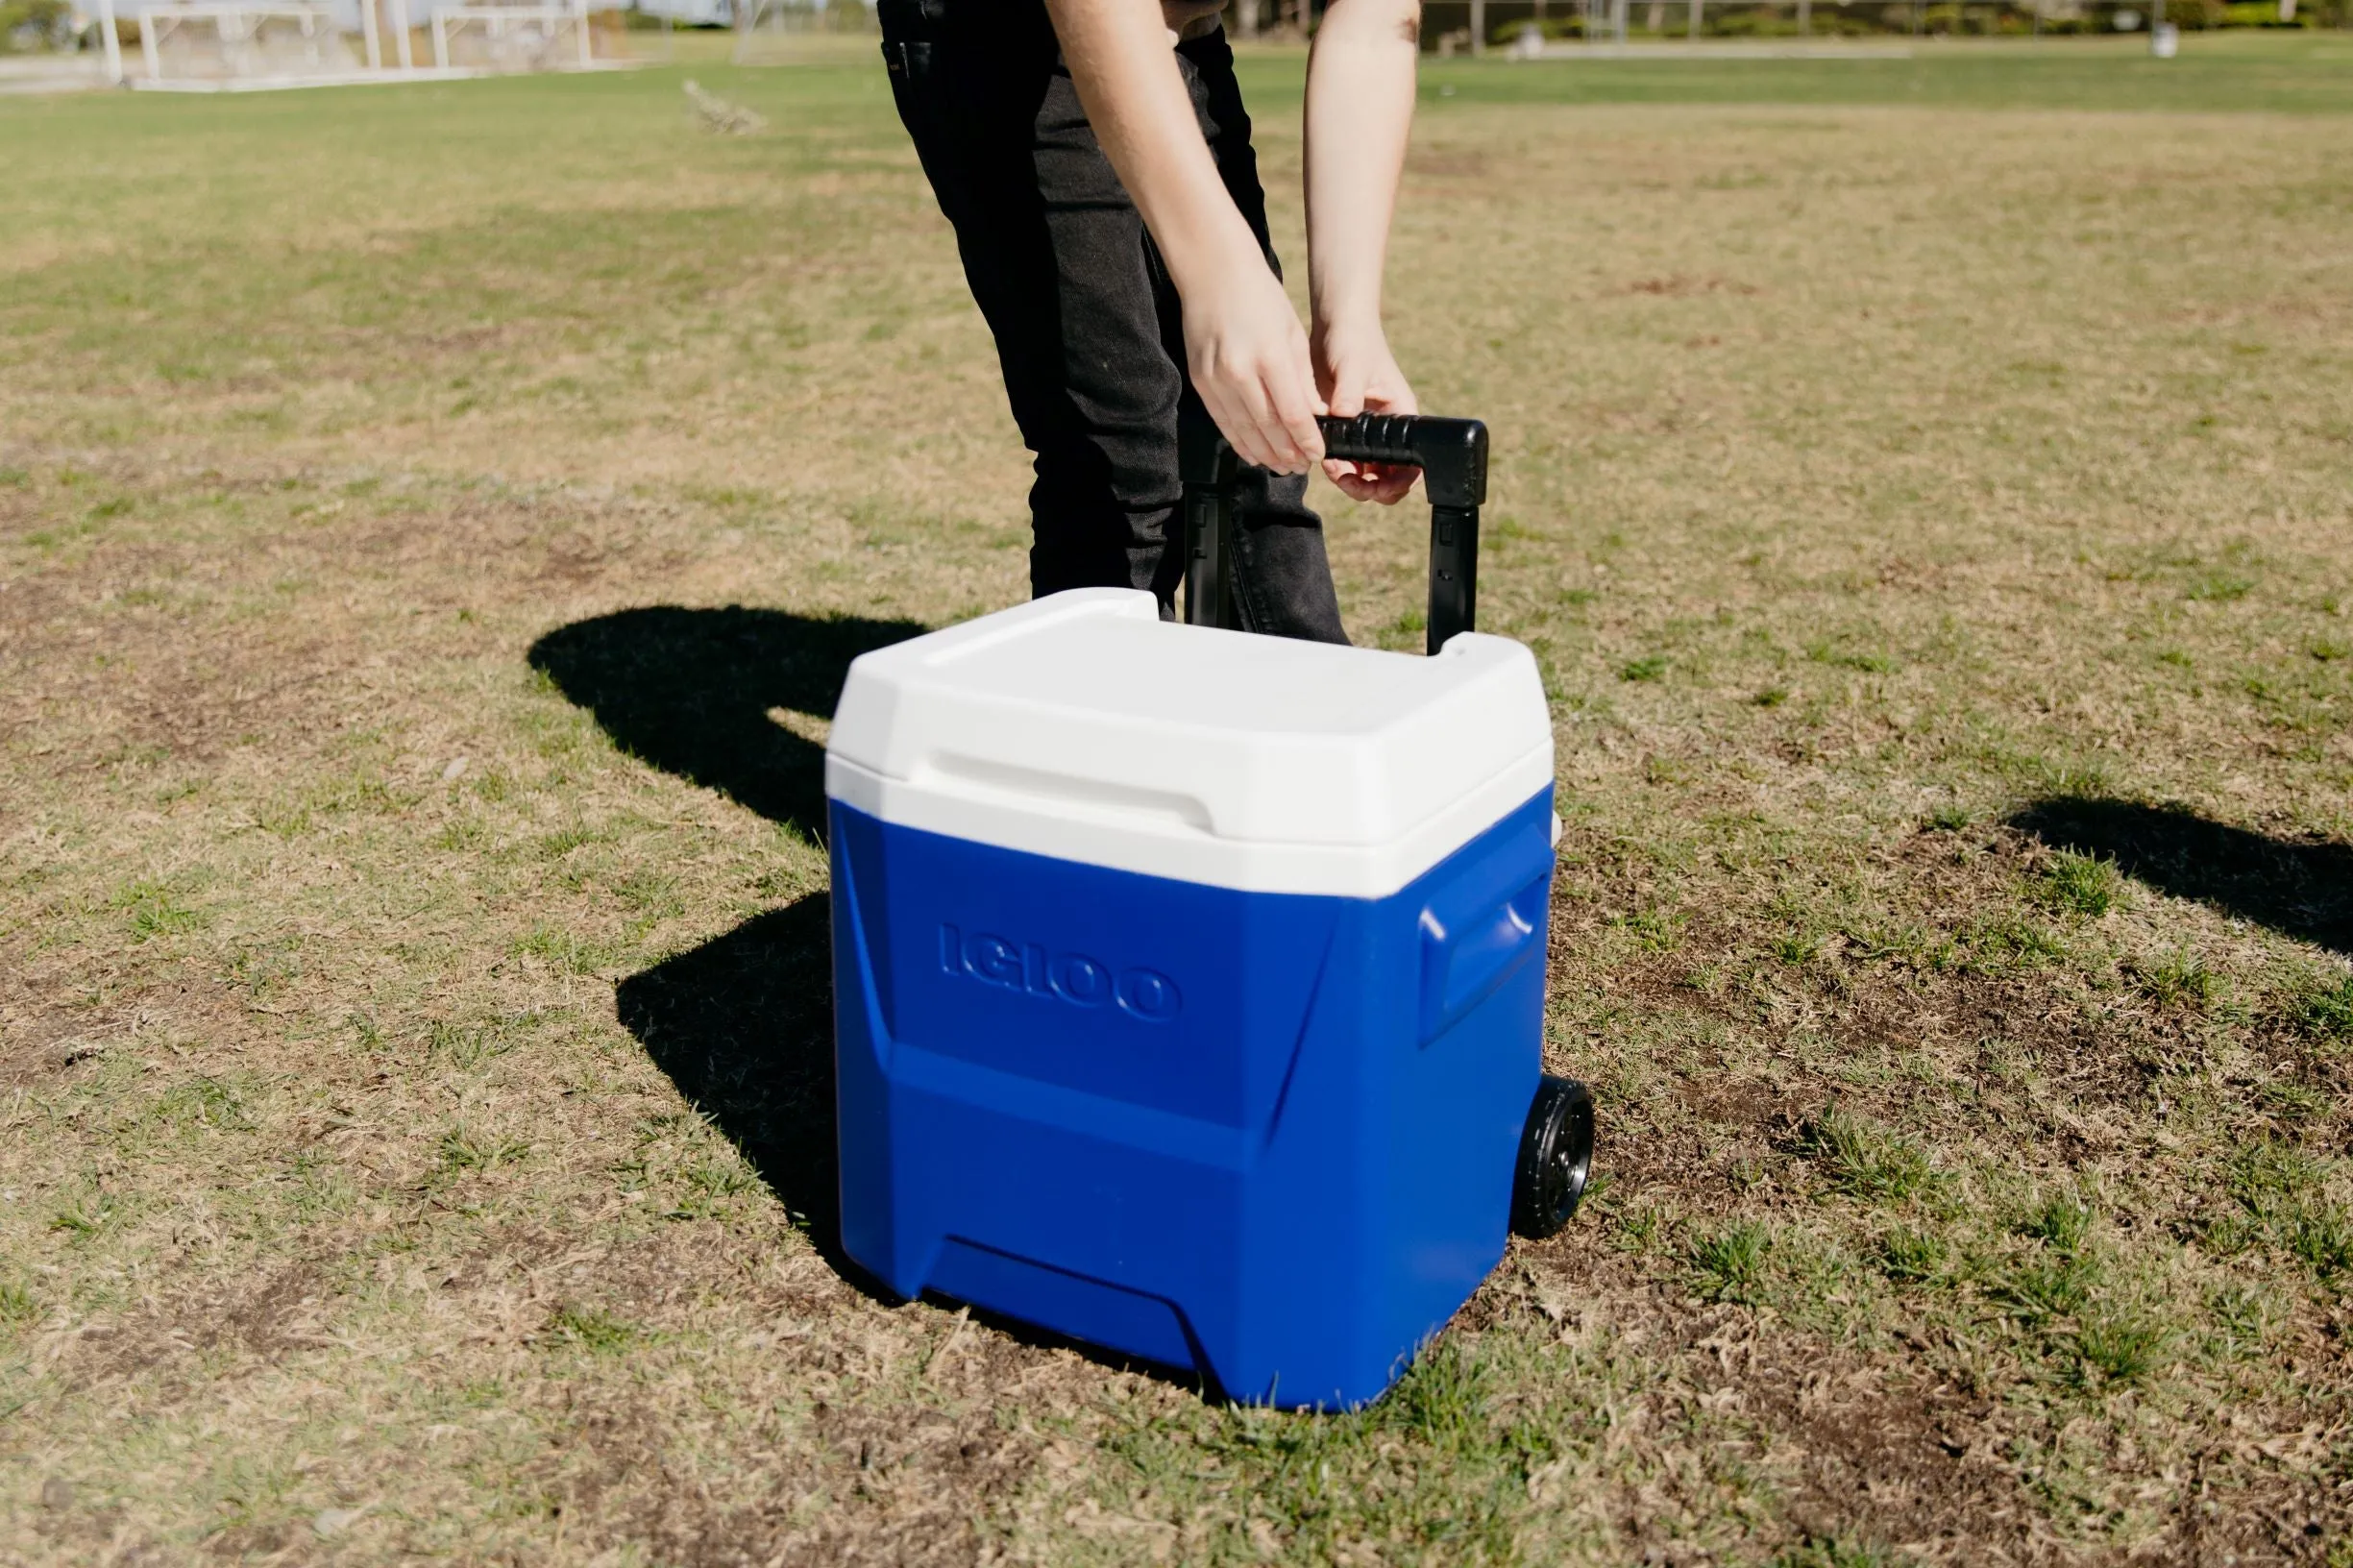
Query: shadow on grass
[
  {"x": 690, "y": 691},
  {"x": 743, "y": 1023},
  {"x": 744, "y": 1026},
  {"x": 2302, "y": 889}
]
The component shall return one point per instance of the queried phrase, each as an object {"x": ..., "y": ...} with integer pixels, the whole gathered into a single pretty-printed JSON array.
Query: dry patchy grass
[{"x": 424, "y": 580}]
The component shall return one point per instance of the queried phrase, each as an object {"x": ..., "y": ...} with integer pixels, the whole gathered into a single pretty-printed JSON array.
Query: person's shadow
[
  {"x": 743, "y": 1023},
  {"x": 2301, "y": 888}
]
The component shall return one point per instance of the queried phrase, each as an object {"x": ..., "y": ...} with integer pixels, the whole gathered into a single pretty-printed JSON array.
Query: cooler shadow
[
  {"x": 743, "y": 1023},
  {"x": 690, "y": 692},
  {"x": 2302, "y": 889},
  {"x": 744, "y": 1027}
]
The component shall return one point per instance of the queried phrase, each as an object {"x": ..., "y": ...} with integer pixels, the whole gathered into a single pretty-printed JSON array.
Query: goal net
[
  {"x": 197, "y": 42},
  {"x": 513, "y": 37}
]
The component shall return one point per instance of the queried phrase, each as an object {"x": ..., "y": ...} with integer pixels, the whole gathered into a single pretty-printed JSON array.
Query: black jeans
[{"x": 1086, "y": 322}]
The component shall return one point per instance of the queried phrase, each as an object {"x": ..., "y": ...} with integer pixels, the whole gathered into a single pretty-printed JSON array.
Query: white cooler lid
[{"x": 1083, "y": 726}]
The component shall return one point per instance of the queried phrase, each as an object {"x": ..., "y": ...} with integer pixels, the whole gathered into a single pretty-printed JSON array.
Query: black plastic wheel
[{"x": 1556, "y": 1157}]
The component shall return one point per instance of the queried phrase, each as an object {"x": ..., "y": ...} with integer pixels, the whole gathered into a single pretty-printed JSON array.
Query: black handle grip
[{"x": 1452, "y": 455}]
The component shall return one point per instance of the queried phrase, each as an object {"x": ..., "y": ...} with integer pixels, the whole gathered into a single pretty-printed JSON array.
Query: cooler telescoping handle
[{"x": 1452, "y": 455}]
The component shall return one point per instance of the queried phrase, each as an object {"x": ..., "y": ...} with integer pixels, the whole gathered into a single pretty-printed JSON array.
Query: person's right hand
[
  {"x": 1358, "y": 374},
  {"x": 1249, "y": 359}
]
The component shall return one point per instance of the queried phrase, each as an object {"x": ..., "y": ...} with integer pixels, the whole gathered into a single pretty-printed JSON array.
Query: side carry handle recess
[{"x": 1452, "y": 455}]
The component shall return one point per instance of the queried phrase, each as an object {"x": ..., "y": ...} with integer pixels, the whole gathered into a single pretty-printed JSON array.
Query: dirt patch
[
  {"x": 283, "y": 1311},
  {"x": 1753, "y": 1104},
  {"x": 1452, "y": 165},
  {"x": 1680, "y": 287},
  {"x": 279, "y": 1314},
  {"x": 869, "y": 1485},
  {"x": 1921, "y": 1469}
]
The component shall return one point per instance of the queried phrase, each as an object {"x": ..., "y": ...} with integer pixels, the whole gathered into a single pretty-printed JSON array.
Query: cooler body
[
  {"x": 1266, "y": 1136},
  {"x": 1189, "y": 984}
]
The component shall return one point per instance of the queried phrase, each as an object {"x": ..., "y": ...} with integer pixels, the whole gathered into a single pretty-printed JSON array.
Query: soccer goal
[
  {"x": 513, "y": 37},
  {"x": 223, "y": 43}
]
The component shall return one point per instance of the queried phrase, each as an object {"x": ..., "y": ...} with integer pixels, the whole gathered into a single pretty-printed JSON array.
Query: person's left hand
[{"x": 1355, "y": 372}]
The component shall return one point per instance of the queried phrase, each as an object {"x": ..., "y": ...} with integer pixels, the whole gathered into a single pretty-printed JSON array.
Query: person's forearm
[
  {"x": 1126, "y": 74},
  {"x": 1359, "y": 109},
  {"x": 1245, "y": 350}
]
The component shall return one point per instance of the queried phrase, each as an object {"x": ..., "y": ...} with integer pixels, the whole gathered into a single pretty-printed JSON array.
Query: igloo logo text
[{"x": 1034, "y": 969}]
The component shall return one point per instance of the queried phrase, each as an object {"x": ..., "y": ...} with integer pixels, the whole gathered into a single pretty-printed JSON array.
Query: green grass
[
  {"x": 2076, "y": 884},
  {"x": 1913, "y": 1255},
  {"x": 2114, "y": 1349},
  {"x": 17, "y": 1306},
  {"x": 2325, "y": 1007},
  {"x": 2322, "y": 1238},
  {"x": 590, "y": 1328},
  {"x": 1651, "y": 667},
  {"x": 2214, "y": 74},
  {"x": 432, "y": 526},
  {"x": 1729, "y": 1264},
  {"x": 2178, "y": 979},
  {"x": 151, "y": 909},
  {"x": 1867, "y": 1162}
]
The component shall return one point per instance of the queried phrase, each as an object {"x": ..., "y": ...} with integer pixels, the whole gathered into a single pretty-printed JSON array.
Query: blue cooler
[{"x": 1189, "y": 985}]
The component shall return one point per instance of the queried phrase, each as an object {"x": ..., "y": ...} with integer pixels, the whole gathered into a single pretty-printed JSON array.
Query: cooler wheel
[{"x": 1556, "y": 1157}]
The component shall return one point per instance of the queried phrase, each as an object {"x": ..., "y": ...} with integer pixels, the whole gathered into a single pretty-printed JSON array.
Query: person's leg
[
  {"x": 1055, "y": 254},
  {"x": 1084, "y": 316}
]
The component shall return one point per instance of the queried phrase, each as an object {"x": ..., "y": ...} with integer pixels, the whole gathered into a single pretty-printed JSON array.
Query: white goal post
[
  {"x": 196, "y": 39},
  {"x": 249, "y": 45}
]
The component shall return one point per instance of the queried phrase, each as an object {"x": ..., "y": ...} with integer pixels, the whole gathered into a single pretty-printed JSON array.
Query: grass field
[{"x": 432, "y": 526}]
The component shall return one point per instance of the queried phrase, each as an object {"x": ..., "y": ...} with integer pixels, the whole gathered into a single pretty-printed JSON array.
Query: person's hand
[
  {"x": 1355, "y": 372},
  {"x": 1249, "y": 360}
]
